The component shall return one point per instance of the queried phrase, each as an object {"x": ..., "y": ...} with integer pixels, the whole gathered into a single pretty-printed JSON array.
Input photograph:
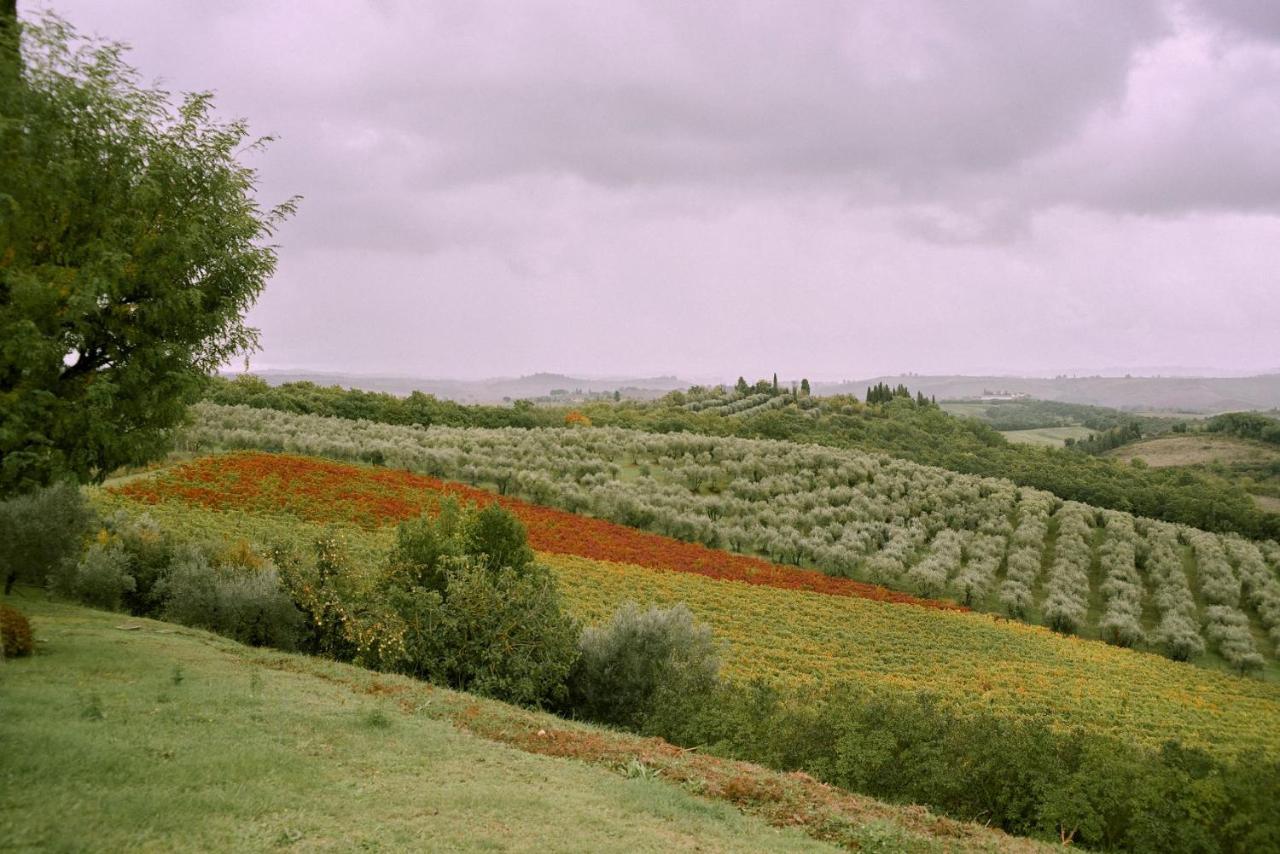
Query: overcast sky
[{"x": 711, "y": 189}]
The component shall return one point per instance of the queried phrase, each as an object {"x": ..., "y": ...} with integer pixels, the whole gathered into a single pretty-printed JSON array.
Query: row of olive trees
[
  {"x": 1260, "y": 584},
  {"x": 1025, "y": 555},
  {"x": 1123, "y": 590},
  {"x": 1226, "y": 625},
  {"x": 1177, "y": 632},
  {"x": 1067, "y": 586}
]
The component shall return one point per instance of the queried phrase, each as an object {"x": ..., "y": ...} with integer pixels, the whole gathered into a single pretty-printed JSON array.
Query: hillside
[
  {"x": 143, "y": 735},
  {"x": 901, "y": 428},
  {"x": 782, "y": 624},
  {"x": 1197, "y": 449},
  {"x": 1246, "y": 464},
  {"x": 1180, "y": 394},
  {"x": 985, "y": 542}
]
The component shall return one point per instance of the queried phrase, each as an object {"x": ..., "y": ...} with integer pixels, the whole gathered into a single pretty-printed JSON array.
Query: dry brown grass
[{"x": 1191, "y": 450}]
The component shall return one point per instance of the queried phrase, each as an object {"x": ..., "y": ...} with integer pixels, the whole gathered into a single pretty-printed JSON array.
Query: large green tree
[{"x": 131, "y": 246}]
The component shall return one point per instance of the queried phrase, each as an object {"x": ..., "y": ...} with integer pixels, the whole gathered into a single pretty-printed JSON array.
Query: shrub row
[{"x": 1023, "y": 775}]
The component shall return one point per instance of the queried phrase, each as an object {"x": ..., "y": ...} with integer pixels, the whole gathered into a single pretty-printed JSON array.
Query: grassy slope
[
  {"x": 1195, "y": 449},
  {"x": 132, "y": 734}
]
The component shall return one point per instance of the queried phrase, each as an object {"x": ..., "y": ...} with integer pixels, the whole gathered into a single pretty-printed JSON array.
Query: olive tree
[{"x": 131, "y": 246}]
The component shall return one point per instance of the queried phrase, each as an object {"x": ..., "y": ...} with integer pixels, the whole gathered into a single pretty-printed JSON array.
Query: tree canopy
[{"x": 131, "y": 246}]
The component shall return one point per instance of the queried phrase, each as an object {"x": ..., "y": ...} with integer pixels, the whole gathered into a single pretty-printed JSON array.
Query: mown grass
[{"x": 130, "y": 734}]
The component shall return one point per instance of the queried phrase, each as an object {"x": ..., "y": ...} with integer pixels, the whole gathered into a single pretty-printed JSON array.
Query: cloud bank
[{"x": 828, "y": 189}]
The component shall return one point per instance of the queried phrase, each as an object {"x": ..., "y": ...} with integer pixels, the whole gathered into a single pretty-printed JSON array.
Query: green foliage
[
  {"x": 1097, "y": 443},
  {"x": 475, "y": 612},
  {"x": 640, "y": 661},
  {"x": 16, "y": 639},
  {"x": 500, "y": 633},
  {"x": 498, "y": 539},
  {"x": 882, "y": 393},
  {"x": 41, "y": 530},
  {"x": 1023, "y": 775},
  {"x": 243, "y": 603},
  {"x": 424, "y": 545},
  {"x": 151, "y": 552},
  {"x": 102, "y": 578},
  {"x": 1029, "y": 414},
  {"x": 307, "y": 398},
  {"x": 132, "y": 247},
  {"x": 324, "y": 588},
  {"x": 491, "y": 536},
  {"x": 1247, "y": 425}
]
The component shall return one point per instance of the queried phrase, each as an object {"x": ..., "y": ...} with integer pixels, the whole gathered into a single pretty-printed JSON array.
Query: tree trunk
[{"x": 10, "y": 56}]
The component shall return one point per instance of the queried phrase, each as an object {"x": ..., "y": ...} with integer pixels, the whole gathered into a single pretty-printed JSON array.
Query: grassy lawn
[
  {"x": 129, "y": 734},
  {"x": 158, "y": 739}
]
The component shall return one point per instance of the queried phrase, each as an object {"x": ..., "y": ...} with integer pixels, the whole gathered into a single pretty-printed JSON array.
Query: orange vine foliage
[{"x": 324, "y": 491}]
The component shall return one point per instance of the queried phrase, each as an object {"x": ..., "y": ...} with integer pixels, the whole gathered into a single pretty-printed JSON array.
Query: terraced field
[{"x": 782, "y": 624}]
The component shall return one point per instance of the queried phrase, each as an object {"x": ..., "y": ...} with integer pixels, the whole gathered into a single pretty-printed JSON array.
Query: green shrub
[
  {"x": 246, "y": 604},
  {"x": 491, "y": 536},
  {"x": 40, "y": 531},
  {"x": 424, "y": 545},
  {"x": 640, "y": 661},
  {"x": 461, "y": 603},
  {"x": 500, "y": 633},
  {"x": 15, "y": 633},
  {"x": 101, "y": 579},
  {"x": 499, "y": 539},
  {"x": 151, "y": 551},
  {"x": 322, "y": 585}
]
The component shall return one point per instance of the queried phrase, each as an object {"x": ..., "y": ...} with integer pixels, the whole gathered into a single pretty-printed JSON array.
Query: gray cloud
[{"x": 685, "y": 186}]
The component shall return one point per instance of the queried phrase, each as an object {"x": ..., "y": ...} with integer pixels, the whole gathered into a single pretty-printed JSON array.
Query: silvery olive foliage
[{"x": 1226, "y": 626}]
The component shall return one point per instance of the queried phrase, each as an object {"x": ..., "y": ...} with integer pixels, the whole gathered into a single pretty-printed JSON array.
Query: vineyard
[
  {"x": 983, "y": 543},
  {"x": 780, "y": 626}
]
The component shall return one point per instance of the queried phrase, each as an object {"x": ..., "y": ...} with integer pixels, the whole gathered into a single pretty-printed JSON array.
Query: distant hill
[
  {"x": 495, "y": 390},
  {"x": 1182, "y": 394}
]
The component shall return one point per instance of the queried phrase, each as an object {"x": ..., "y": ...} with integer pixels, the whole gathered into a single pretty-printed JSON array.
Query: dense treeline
[
  {"x": 1107, "y": 440},
  {"x": 1246, "y": 425},
  {"x": 307, "y": 398},
  {"x": 1030, "y": 414},
  {"x": 902, "y": 428}
]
